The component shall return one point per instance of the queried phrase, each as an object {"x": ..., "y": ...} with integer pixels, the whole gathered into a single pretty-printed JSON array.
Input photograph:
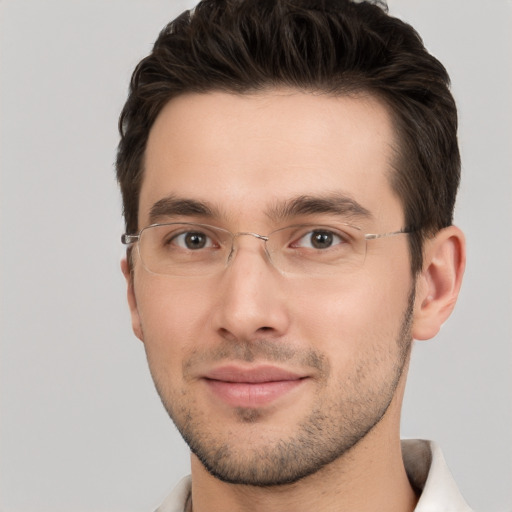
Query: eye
[
  {"x": 192, "y": 240},
  {"x": 319, "y": 239}
]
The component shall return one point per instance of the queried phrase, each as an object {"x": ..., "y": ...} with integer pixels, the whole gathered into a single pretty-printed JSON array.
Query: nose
[{"x": 251, "y": 302}]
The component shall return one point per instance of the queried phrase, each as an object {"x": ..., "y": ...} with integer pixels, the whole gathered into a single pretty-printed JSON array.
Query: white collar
[{"x": 428, "y": 473}]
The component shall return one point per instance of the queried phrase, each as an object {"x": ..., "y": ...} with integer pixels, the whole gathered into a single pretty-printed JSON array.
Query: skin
[{"x": 336, "y": 431}]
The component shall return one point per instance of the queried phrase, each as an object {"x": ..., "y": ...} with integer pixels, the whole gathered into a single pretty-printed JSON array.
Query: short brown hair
[{"x": 333, "y": 46}]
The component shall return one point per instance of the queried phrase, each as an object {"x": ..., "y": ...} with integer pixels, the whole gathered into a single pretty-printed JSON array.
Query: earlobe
[
  {"x": 132, "y": 302},
  {"x": 438, "y": 285}
]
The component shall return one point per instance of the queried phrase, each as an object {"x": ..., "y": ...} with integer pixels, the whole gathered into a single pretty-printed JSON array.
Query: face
[{"x": 270, "y": 376}]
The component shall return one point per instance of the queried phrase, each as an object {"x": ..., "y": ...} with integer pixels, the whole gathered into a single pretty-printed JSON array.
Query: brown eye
[
  {"x": 195, "y": 240},
  {"x": 192, "y": 240},
  {"x": 319, "y": 239}
]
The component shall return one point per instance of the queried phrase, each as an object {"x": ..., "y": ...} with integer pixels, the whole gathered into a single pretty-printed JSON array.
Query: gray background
[{"x": 81, "y": 427}]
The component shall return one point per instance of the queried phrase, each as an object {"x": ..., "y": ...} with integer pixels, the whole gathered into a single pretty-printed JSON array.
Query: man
[{"x": 289, "y": 172}]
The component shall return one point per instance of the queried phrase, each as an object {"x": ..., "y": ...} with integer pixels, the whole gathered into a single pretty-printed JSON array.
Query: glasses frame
[{"x": 131, "y": 239}]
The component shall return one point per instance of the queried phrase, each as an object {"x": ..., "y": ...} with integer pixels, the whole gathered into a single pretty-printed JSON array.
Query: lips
[{"x": 251, "y": 387}]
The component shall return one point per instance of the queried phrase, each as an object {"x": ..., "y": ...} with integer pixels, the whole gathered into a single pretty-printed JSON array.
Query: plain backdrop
[{"x": 81, "y": 427}]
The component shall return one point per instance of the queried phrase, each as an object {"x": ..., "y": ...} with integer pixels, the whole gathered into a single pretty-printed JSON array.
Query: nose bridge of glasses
[
  {"x": 249, "y": 233},
  {"x": 240, "y": 234}
]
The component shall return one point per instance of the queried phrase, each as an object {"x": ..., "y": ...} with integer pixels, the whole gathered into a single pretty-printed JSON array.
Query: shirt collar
[{"x": 430, "y": 476}]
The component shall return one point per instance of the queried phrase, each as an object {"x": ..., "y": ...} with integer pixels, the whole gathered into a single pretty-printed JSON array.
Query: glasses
[{"x": 188, "y": 249}]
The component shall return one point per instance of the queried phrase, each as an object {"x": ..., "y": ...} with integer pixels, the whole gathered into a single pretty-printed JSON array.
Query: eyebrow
[
  {"x": 171, "y": 206},
  {"x": 336, "y": 204}
]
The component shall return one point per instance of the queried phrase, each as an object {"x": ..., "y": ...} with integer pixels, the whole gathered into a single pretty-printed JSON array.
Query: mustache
[{"x": 249, "y": 351}]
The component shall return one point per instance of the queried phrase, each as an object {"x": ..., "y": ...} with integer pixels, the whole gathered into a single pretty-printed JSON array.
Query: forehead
[{"x": 246, "y": 153}]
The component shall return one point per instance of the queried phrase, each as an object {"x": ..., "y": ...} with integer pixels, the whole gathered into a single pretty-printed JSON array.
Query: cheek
[
  {"x": 173, "y": 316},
  {"x": 353, "y": 317}
]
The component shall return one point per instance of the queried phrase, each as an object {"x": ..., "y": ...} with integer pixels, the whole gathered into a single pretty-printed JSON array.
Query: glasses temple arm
[{"x": 129, "y": 239}]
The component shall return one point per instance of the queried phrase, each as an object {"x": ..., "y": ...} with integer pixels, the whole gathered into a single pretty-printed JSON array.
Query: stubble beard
[{"x": 325, "y": 435}]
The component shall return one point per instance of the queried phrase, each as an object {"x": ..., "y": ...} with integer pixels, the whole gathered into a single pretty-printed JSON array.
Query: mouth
[{"x": 251, "y": 387}]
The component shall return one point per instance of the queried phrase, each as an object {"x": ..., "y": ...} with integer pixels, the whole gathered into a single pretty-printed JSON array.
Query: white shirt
[{"x": 426, "y": 469}]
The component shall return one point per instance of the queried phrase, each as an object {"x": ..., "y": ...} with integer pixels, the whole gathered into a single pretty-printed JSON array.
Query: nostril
[{"x": 227, "y": 335}]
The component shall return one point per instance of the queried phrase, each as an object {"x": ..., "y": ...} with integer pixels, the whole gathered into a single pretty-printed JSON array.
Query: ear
[
  {"x": 132, "y": 302},
  {"x": 438, "y": 284}
]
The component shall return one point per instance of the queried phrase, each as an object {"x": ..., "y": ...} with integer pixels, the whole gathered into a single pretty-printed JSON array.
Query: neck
[{"x": 370, "y": 477}]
